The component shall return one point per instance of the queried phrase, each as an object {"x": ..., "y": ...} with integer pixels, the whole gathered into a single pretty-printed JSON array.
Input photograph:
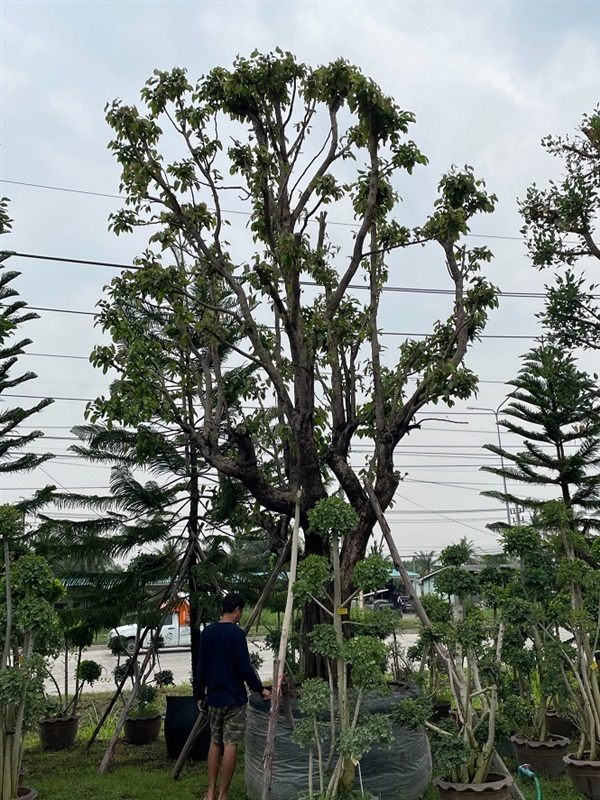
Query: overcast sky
[{"x": 486, "y": 81}]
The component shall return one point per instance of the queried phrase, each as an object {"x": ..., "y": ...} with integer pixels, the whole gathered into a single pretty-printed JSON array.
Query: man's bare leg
[
  {"x": 227, "y": 769},
  {"x": 213, "y": 760}
]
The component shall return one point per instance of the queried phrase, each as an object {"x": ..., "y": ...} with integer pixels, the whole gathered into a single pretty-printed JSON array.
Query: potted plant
[
  {"x": 143, "y": 722},
  {"x": 530, "y": 651},
  {"x": 429, "y": 673},
  {"x": 463, "y": 749},
  {"x": 58, "y": 728}
]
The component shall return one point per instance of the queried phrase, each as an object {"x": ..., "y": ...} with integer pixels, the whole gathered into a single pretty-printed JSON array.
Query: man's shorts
[{"x": 227, "y": 724}]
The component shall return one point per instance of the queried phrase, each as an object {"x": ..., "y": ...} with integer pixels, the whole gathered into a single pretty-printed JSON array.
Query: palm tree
[{"x": 425, "y": 563}]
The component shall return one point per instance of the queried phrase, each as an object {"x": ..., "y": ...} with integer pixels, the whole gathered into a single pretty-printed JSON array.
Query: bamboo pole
[
  {"x": 279, "y": 662},
  {"x": 441, "y": 652}
]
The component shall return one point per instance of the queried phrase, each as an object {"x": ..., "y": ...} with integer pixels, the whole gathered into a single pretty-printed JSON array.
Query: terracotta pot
[
  {"x": 584, "y": 775},
  {"x": 545, "y": 758},
  {"x": 496, "y": 787},
  {"x": 59, "y": 733},
  {"x": 141, "y": 730},
  {"x": 560, "y": 726}
]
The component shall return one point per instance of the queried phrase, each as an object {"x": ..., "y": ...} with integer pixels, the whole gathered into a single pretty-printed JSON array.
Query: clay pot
[
  {"x": 584, "y": 775},
  {"x": 496, "y": 787},
  {"x": 545, "y": 758},
  {"x": 58, "y": 733},
  {"x": 141, "y": 730}
]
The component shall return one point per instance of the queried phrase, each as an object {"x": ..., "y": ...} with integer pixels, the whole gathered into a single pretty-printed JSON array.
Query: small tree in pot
[
  {"x": 360, "y": 660},
  {"x": 474, "y": 645}
]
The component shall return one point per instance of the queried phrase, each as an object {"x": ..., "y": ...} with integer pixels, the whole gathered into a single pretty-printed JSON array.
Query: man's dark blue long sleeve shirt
[{"x": 224, "y": 666}]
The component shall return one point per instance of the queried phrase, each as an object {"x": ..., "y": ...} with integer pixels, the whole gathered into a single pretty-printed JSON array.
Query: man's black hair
[{"x": 233, "y": 601}]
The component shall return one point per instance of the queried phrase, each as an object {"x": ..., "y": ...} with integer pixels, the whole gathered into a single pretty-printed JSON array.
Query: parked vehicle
[
  {"x": 405, "y": 604},
  {"x": 175, "y": 631}
]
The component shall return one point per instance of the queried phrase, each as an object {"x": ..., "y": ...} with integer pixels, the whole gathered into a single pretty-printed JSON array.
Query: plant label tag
[{"x": 342, "y": 611}]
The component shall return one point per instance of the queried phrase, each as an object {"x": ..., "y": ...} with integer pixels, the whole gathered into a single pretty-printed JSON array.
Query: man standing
[{"x": 223, "y": 668}]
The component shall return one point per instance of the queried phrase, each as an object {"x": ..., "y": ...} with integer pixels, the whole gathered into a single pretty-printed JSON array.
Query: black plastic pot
[
  {"x": 58, "y": 733},
  {"x": 402, "y": 771},
  {"x": 496, "y": 787},
  {"x": 584, "y": 775},
  {"x": 182, "y": 712},
  {"x": 560, "y": 726},
  {"x": 545, "y": 758}
]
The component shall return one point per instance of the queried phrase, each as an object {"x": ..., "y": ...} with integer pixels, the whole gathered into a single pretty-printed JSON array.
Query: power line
[
  {"x": 228, "y": 211},
  {"x": 383, "y": 333},
  {"x": 356, "y": 286},
  {"x": 225, "y": 211}
]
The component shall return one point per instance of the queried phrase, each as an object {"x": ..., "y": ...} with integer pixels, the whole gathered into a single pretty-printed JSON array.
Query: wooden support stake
[{"x": 279, "y": 662}]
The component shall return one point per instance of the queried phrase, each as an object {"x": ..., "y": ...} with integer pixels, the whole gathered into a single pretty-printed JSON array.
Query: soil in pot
[
  {"x": 141, "y": 730},
  {"x": 496, "y": 787},
  {"x": 584, "y": 775},
  {"x": 545, "y": 758},
  {"x": 58, "y": 733}
]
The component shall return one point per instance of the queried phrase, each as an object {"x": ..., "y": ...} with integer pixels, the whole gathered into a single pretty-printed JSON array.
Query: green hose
[{"x": 525, "y": 770}]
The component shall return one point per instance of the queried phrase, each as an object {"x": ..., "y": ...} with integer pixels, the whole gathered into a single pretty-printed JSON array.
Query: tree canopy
[
  {"x": 252, "y": 323},
  {"x": 561, "y": 226}
]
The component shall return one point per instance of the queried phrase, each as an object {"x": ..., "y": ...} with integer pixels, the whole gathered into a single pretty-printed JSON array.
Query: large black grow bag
[
  {"x": 182, "y": 712},
  {"x": 402, "y": 772}
]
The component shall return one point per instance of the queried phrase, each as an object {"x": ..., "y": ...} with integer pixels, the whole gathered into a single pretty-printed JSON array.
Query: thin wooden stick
[{"x": 280, "y": 660}]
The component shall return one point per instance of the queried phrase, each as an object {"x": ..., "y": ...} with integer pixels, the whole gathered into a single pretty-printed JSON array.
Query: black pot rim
[
  {"x": 499, "y": 782},
  {"x": 53, "y": 720},
  {"x": 552, "y": 742},
  {"x": 144, "y": 718},
  {"x": 571, "y": 758}
]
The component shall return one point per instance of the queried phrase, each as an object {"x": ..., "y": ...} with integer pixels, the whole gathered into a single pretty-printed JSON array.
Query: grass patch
[{"x": 139, "y": 773}]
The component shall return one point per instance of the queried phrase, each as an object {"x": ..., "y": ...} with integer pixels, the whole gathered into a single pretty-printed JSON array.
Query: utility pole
[{"x": 495, "y": 412}]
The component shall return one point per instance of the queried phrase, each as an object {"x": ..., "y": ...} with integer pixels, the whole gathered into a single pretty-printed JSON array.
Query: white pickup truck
[{"x": 175, "y": 631}]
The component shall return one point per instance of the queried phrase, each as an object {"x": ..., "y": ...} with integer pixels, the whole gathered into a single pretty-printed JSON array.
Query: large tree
[
  {"x": 256, "y": 313},
  {"x": 562, "y": 230}
]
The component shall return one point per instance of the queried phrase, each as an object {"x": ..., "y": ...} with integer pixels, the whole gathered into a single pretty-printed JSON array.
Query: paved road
[{"x": 177, "y": 660}]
